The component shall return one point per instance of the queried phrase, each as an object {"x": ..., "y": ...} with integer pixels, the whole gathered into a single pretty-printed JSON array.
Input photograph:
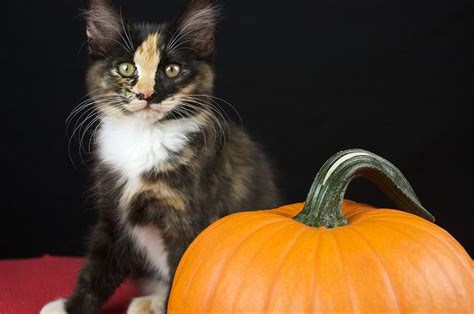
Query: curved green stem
[{"x": 323, "y": 207}]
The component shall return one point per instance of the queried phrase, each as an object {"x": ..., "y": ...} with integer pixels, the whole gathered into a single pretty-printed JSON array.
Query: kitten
[{"x": 163, "y": 170}]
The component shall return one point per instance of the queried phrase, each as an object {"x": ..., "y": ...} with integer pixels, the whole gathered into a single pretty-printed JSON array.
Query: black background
[{"x": 309, "y": 78}]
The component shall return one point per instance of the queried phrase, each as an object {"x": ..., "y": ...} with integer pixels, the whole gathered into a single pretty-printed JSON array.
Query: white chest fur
[{"x": 133, "y": 146}]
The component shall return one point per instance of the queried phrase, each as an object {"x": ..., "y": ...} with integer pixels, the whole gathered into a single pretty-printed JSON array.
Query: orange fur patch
[
  {"x": 161, "y": 191},
  {"x": 147, "y": 59}
]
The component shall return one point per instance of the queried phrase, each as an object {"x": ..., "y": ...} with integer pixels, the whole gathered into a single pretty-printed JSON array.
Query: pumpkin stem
[{"x": 323, "y": 206}]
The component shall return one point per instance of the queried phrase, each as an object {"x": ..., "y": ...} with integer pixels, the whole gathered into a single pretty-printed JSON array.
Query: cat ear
[
  {"x": 103, "y": 26},
  {"x": 198, "y": 25}
]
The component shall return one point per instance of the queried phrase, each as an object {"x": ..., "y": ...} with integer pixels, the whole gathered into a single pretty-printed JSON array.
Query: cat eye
[
  {"x": 126, "y": 69},
  {"x": 172, "y": 70}
]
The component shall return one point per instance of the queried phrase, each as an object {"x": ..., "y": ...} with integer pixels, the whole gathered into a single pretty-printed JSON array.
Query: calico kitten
[{"x": 163, "y": 171}]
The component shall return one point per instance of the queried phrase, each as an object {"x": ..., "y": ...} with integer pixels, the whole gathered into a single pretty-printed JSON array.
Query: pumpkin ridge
[
  {"x": 268, "y": 236},
  {"x": 430, "y": 232},
  {"x": 449, "y": 245},
  {"x": 453, "y": 287},
  {"x": 445, "y": 244},
  {"x": 221, "y": 223},
  {"x": 364, "y": 217},
  {"x": 317, "y": 249},
  {"x": 196, "y": 242},
  {"x": 278, "y": 270},
  {"x": 350, "y": 289},
  {"x": 417, "y": 268},
  {"x": 355, "y": 211},
  {"x": 284, "y": 211},
  {"x": 235, "y": 250},
  {"x": 386, "y": 215},
  {"x": 391, "y": 283}
]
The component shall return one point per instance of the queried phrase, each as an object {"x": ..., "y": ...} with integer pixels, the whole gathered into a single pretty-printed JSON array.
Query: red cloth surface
[{"x": 27, "y": 285}]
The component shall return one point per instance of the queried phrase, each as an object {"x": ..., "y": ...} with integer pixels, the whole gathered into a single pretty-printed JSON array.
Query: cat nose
[{"x": 146, "y": 95}]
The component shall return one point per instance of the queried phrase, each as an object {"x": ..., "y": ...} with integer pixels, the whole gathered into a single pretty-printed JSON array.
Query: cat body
[{"x": 166, "y": 165}]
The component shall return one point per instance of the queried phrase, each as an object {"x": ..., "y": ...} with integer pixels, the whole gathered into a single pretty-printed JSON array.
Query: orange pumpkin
[{"x": 358, "y": 260}]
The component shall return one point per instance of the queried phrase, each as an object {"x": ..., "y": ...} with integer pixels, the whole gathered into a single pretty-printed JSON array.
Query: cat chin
[
  {"x": 149, "y": 116},
  {"x": 148, "y": 113}
]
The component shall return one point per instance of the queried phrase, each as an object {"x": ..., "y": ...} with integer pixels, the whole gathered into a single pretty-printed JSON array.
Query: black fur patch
[{"x": 208, "y": 179}]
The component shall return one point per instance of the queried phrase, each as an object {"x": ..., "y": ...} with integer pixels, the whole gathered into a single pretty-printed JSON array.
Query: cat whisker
[
  {"x": 92, "y": 138},
  {"x": 80, "y": 106},
  {"x": 100, "y": 117},
  {"x": 85, "y": 113},
  {"x": 211, "y": 105},
  {"x": 90, "y": 93},
  {"x": 84, "y": 133},
  {"x": 185, "y": 114},
  {"x": 96, "y": 118},
  {"x": 206, "y": 105},
  {"x": 184, "y": 31},
  {"x": 86, "y": 103},
  {"x": 76, "y": 111},
  {"x": 85, "y": 107},
  {"x": 215, "y": 99},
  {"x": 78, "y": 130},
  {"x": 177, "y": 47},
  {"x": 70, "y": 143},
  {"x": 211, "y": 120},
  {"x": 96, "y": 16},
  {"x": 92, "y": 115},
  {"x": 180, "y": 43},
  {"x": 127, "y": 35}
]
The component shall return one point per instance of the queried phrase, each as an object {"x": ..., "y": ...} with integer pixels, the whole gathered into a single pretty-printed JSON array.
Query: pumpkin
[{"x": 328, "y": 255}]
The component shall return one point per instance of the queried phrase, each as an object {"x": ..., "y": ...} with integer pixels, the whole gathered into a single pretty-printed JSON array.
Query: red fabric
[{"x": 27, "y": 285}]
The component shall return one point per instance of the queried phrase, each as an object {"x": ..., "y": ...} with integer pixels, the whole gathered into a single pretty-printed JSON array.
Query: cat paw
[
  {"x": 146, "y": 305},
  {"x": 55, "y": 307}
]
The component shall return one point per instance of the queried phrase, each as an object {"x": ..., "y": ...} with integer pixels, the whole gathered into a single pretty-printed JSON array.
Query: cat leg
[
  {"x": 155, "y": 302},
  {"x": 56, "y": 307},
  {"x": 103, "y": 271}
]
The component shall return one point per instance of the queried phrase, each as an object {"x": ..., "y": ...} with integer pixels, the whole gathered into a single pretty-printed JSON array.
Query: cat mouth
[
  {"x": 140, "y": 105},
  {"x": 149, "y": 111}
]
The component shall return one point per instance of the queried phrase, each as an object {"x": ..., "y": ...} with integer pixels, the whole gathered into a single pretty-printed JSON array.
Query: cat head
[{"x": 151, "y": 71}]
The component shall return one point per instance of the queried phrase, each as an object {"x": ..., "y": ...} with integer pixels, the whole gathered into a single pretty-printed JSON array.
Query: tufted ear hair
[
  {"x": 103, "y": 26},
  {"x": 198, "y": 26}
]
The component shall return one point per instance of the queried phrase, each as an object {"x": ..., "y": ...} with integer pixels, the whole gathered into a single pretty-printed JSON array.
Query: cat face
[{"x": 154, "y": 72}]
